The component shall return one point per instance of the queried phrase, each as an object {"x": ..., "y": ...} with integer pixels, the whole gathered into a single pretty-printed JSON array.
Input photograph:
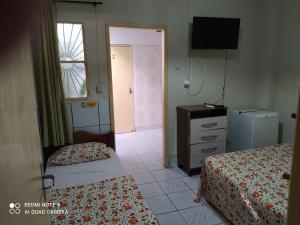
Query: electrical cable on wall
[
  {"x": 224, "y": 81},
  {"x": 191, "y": 77}
]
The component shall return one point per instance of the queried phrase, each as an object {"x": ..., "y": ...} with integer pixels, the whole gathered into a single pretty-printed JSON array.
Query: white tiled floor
[{"x": 169, "y": 192}]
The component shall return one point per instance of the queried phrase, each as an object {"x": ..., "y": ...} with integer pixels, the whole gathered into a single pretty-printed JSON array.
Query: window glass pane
[
  {"x": 70, "y": 40},
  {"x": 74, "y": 80}
]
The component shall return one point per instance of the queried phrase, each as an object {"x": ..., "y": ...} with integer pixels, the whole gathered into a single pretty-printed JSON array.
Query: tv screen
[{"x": 215, "y": 33}]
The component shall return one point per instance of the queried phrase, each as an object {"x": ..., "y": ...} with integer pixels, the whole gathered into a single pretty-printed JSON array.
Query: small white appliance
[{"x": 253, "y": 128}]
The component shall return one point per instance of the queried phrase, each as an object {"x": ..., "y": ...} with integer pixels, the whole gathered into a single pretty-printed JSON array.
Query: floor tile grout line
[
  {"x": 173, "y": 212},
  {"x": 174, "y": 191},
  {"x": 179, "y": 176},
  {"x": 183, "y": 218},
  {"x": 150, "y": 171},
  {"x": 169, "y": 197},
  {"x": 179, "y": 210},
  {"x": 187, "y": 185},
  {"x": 165, "y": 194}
]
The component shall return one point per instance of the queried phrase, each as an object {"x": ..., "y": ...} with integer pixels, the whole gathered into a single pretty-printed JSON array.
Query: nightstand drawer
[
  {"x": 200, "y": 152},
  {"x": 204, "y": 136},
  {"x": 208, "y": 123}
]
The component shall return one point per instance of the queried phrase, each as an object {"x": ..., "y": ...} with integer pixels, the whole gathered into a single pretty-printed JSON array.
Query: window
[{"x": 72, "y": 59}]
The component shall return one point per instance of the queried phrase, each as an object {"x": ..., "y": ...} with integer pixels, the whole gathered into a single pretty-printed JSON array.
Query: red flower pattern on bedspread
[
  {"x": 114, "y": 201},
  {"x": 248, "y": 186}
]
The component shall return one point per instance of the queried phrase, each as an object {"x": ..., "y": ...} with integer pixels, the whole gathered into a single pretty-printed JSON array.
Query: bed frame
[{"x": 81, "y": 137}]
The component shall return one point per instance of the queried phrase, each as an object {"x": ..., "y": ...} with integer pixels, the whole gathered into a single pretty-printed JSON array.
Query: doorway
[{"x": 137, "y": 57}]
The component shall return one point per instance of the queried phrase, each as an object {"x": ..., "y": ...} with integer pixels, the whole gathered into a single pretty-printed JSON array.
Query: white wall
[
  {"x": 288, "y": 75},
  {"x": 177, "y": 14},
  {"x": 267, "y": 53},
  {"x": 279, "y": 70}
]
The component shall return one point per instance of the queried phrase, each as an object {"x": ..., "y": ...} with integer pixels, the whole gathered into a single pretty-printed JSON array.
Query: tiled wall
[
  {"x": 147, "y": 69},
  {"x": 94, "y": 120}
]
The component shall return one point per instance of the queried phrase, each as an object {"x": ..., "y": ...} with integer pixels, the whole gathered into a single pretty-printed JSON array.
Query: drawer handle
[
  {"x": 209, "y": 125},
  {"x": 209, "y": 150},
  {"x": 209, "y": 138}
]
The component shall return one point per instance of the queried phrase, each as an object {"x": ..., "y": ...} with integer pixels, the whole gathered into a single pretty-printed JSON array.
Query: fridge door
[
  {"x": 241, "y": 131},
  {"x": 265, "y": 129}
]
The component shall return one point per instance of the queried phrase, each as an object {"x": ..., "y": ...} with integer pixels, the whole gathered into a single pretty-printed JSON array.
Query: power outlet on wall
[
  {"x": 186, "y": 84},
  {"x": 99, "y": 89}
]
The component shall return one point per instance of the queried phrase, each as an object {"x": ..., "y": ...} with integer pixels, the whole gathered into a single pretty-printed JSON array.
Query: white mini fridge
[{"x": 253, "y": 128}]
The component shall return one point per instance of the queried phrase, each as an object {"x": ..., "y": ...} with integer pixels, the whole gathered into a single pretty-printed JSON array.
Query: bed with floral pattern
[
  {"x": 114, "y": 201},
  {"x": 249, "y": 187}
]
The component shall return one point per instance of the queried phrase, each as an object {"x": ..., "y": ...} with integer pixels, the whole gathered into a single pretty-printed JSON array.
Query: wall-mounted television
[{"x": 215, "y": 33}]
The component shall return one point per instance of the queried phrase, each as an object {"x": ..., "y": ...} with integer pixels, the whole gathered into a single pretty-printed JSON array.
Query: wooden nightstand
[{"x": 201, "y": 132}]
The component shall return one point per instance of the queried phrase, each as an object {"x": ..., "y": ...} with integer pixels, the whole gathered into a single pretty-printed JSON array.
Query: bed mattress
[
  {"x": 248, "y": 187},
  {"x": 86, "y": 173}
]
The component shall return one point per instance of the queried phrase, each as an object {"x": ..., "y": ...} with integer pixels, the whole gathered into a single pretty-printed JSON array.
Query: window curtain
[{"x": 49, "y": 88}]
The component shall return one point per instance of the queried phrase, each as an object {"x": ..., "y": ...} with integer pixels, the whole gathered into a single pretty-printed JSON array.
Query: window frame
[{"x": 85, "y": 62}]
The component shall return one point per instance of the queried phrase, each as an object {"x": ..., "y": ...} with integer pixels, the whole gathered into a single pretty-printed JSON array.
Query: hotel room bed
[
  {"x": 95, "y": 192},
  {"x": 88, "y": 172},
  {"x": 249, "y": 187},
  {"x": 85, "y": 173}
]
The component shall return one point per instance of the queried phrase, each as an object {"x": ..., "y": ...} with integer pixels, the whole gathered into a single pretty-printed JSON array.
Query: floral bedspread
[
  {"x": 248, "y": 187},
  {"x": 114, "y": 201}
]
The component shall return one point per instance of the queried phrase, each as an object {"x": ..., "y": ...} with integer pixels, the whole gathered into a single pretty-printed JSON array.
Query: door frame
[
  {"x": 131, "y": 51},
  {"x": 165, "y": 115},
  {"x": 294, "y": 195}
]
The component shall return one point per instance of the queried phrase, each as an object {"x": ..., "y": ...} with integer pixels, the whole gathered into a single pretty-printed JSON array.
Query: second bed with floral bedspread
[
  {"x": 114, "y": 201},
  {"x": 249, "y": 187}
]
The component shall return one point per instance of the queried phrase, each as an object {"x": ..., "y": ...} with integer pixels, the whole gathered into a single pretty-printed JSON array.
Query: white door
[{"x": 122, "y": 84}]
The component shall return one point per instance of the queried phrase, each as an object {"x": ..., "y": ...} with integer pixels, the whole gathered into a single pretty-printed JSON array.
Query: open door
[
  {"x": 20, "y": 149},
  {"x": 122, "y": 84}
]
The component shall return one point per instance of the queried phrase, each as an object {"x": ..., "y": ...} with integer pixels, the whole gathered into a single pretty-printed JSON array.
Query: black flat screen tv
[{"x": 215, "y": 33}]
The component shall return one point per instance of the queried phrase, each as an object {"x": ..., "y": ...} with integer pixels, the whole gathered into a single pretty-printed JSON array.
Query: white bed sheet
[{"x": 86, "y": 173}]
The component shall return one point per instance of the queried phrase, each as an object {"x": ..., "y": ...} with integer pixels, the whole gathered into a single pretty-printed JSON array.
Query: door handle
[
  {"x": 209, "y": 125},
  {"x": 130, "y": 91},
  {"x": 209, "y": 150},
  {"x": 209, "y": 138}
]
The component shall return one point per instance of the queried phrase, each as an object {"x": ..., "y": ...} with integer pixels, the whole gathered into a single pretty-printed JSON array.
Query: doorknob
[{"x": 130, "y": 91}]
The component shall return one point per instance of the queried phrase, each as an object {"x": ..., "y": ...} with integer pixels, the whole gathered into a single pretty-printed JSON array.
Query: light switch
[
  {"x": 186, "y": 84},
  {"x": 99, "y": 89}
]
